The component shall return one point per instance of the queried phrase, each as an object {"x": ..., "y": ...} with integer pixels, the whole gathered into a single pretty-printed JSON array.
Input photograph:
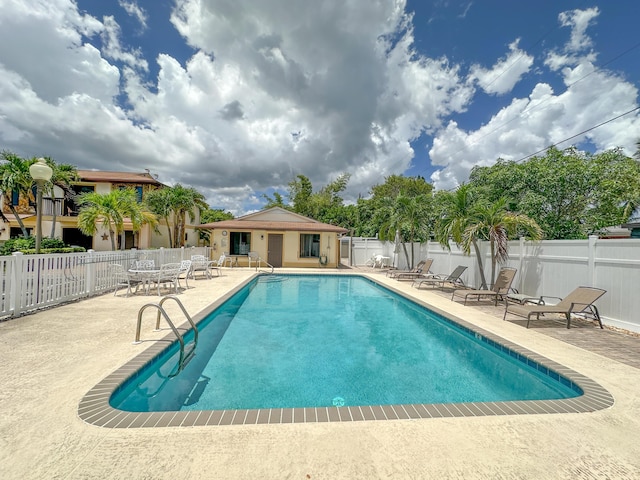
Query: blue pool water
[{"x": 323, "y": 340}]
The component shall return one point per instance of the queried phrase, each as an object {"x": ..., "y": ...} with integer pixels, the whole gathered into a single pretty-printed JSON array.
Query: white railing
[
  {"x": 550, "y": 268},
  {"x": 33, "y": 282}
]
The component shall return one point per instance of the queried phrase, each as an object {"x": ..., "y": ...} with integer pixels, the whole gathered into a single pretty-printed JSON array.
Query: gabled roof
[
  {"x": 275, "y": 218},
  {"x": 117, "y": 177}
]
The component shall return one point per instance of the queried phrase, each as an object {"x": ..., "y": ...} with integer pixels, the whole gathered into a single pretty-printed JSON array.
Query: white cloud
[
  {"x": 505, "y": 73},
  {"x": 42, "y": 43},
  {"x": 343, "y": 76},
  {"x": 578, "y": 21},
  {"x": 271, "y": 92},
  {"x": 134, "y": 10},
  {"x": 528, "y": 125},
  {"x": 113, "y": 50}
]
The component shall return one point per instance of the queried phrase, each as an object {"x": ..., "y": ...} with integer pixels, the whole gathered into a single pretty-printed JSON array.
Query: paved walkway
[{"x": 51, "y": 359}]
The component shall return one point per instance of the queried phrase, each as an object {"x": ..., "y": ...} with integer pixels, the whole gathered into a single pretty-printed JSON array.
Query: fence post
[
  {"x": 90, "y": 279},
  {"x": 593, "y": 239},
  {"x": 16, "y": 284},
  {"x": 520, "y": 264}
]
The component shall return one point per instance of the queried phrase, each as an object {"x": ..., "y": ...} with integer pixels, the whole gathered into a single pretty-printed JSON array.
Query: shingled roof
[
  {"x": 266, "y": 225},
  {"x": 117, "y": 177},
  {"x": 275, "y": 218}
]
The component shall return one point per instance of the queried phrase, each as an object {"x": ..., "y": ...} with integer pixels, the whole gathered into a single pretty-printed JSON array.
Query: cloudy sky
[{"x": 237, "y": 97}]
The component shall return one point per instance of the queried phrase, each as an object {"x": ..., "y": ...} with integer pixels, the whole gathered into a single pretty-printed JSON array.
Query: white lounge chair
[{"x": 500, "y": 289}]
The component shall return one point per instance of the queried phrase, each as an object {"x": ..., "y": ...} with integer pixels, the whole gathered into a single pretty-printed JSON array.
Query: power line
[
  {"x": 528, "y": 110},
  {"x": 578, "y": 134},
  {"x": 536, "y": 106},
  {"x": 567, "y": 139}
]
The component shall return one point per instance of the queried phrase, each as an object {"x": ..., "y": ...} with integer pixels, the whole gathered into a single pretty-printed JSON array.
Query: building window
[
  {"x": 16, "y": 232},
  {"x": 240, "y": 243},
  {"x": 309, "y": 245},
  {"x": 137, "y": 190},
  {"x": 70, "y": 206}
]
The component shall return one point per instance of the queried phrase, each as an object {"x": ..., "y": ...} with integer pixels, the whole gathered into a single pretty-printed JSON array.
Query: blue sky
[{"x": 237, "y": 98}]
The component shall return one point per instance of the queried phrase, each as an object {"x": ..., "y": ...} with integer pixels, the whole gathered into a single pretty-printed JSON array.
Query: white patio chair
[
  {"x": 122, "y": 278},
  {"x": 168, "y": 275},
  {"x": 185, "y": 271},
  {"x": 200, "y": 263},
  {"x": 224, "y": 261}
]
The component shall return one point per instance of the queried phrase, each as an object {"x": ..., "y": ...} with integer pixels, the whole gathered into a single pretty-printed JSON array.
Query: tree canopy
[
  {"x": 15, "y": 177},
  {"x": 566, "y": 193},
  {"x": 570, "y": 194},
  {"x": 109, "y": 210},
  {"x": 176, "y": 202}
]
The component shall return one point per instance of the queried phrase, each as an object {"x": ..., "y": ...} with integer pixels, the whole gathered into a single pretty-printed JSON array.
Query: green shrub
[{"x": 28, "y": 246}]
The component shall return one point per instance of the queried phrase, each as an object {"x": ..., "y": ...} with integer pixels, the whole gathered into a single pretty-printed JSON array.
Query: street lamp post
[{"x": 41, "y": 173}]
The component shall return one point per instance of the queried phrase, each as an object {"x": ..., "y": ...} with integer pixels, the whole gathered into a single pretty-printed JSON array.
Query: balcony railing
[{"x": 61, "y": 207}]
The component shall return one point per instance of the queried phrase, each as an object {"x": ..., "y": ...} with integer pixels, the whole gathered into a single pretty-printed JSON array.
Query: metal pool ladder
[
  {"x": 253, "y": 256},
  {"x": 184, "y": 356}
]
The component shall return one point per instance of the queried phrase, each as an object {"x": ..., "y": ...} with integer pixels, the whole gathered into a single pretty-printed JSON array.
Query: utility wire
[
  {"x": 527, "y": 110},
  {"x": 538, "y": 105},
  {"x": 578, "y": 134},
  {"x": 566, "y": 139}
]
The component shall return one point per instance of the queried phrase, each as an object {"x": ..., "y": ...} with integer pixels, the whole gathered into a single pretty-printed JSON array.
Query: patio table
[
  {"x": 144, "y": 276},
  {"x": 382, "y": 261}
]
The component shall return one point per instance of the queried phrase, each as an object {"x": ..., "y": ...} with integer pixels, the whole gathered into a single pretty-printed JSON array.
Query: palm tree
[
  {"x": 466, "y": 221},
  {"x": 455, "y": 218},
  {"x": 14, "y": 177},
  {"x": 408, "y": 216},
  {"x": 183, "y": 201},
  {"x": 159, "y": 202},
  {"x": 493, "y": 222},
  {"x": 109, "y": 211}
]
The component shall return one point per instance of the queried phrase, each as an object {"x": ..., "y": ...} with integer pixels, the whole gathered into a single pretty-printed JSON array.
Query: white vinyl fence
[
  {"x": 32, "y": 282},
  {"x": 550, "y": 268}
]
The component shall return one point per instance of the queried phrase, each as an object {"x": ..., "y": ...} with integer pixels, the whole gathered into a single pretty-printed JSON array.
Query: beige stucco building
[
  {"x": 279, "y": 237},
  {"x": 66, "y": 214}
]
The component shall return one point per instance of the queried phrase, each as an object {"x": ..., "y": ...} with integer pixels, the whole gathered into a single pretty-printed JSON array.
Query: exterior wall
[
  {"x": 102, "y": 188},
  {"x": 145, "y": 239},
  {"x": 155, "y": 240},
  {"x": 290, "y": 248}
]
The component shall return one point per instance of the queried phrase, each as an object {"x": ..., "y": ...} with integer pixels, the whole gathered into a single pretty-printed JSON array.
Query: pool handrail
[{"x": 184, "y": 358}]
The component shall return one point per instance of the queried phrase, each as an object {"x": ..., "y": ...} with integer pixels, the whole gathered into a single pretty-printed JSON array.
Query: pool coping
[{"x": 94, "y": 408}]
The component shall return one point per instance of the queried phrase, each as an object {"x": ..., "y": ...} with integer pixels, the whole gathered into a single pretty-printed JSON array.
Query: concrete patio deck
[{"x": 52, "y": 358}]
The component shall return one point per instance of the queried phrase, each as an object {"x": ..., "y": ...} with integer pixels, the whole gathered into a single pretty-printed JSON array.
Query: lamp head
[{"x": 40, "y": 171}]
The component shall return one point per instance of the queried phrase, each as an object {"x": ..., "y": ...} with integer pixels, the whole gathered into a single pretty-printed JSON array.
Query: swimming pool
[{"x": 242, "y": 356}]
